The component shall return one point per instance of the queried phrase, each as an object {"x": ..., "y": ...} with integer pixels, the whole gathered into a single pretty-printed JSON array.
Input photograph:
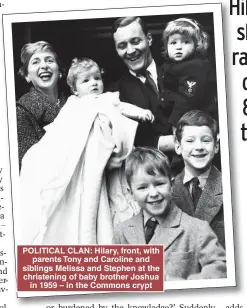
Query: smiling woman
[{"x": 39, "y": 107}]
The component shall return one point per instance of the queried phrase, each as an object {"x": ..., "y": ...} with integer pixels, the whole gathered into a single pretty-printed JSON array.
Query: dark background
[{"x": 92, "y": 38}]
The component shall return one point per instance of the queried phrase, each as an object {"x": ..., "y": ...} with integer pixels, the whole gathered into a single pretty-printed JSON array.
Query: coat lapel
[
  {"x": 165, "y": 235},
  {"x": 136, "y": 91},
  {"x": 135, "y": 231},
  {"x": 211, "y": 199},
  {"x": 170, "y": 230},
  {"x": 181, "y": 193}
]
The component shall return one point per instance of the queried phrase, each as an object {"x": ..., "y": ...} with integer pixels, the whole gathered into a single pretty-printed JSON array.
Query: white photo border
[{"x": 216, "y": 9}]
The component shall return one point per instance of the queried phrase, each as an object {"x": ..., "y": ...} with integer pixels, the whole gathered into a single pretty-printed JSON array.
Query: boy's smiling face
[
  {"x": 152, "y": 192},
  {"x": 197, "y": 147}
]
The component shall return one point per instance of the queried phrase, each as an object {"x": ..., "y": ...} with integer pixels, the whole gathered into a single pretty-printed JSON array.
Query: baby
[{"x": 84, "y": 78}]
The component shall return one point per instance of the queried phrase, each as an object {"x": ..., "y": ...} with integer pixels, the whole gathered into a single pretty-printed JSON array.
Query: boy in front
[
  {"x": 191, "y": 249},
  {"x": 197, "y": 190}
]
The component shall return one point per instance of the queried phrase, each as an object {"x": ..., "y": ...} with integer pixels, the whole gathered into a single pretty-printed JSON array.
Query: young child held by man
[
  {"x": 186, "y": 77},
  {"x": 197, "y": 190},
  {"x": 84, "y": 79},
  {"x": 191, "y": 248}
]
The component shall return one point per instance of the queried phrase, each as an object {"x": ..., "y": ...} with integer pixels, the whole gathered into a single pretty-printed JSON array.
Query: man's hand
[{"x": 147, "y": 116}]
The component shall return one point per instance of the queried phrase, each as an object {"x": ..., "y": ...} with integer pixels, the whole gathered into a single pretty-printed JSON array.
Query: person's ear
[
  {"x": 150, "y": 39},
  {"x": 27, "y": 79},
  {"x": 130, "y": 192},
  {"x": 177, "y": 147},
  {"x": 217, "y": 144},
  {"x": 74, "y": 92}
]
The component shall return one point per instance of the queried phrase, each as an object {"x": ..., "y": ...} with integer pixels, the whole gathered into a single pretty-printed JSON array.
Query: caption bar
[{"x": 90, "y": 268}]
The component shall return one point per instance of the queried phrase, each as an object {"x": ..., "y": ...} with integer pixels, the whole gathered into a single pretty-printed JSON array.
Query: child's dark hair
[
  {"x": 188, "y": 27},
  {"x": 196, "y": 118},
  {"x": 152, "y": 160}
]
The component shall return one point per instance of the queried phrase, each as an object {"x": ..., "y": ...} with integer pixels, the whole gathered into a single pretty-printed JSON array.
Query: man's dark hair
[{"x": 125, "y": 21}]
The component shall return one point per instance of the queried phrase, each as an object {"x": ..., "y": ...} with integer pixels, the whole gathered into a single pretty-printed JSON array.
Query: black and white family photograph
[{"x": 117, "y": 130}]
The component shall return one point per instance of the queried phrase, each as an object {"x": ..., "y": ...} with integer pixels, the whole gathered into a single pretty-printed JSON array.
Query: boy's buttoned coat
[
  {"x": 191, "y": 249},
  {"x": 210, "y": 204}
]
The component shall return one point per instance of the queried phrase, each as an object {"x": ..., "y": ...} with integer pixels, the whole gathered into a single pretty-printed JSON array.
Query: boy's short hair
[
  {"x": 152, "y": 160},
  {"x": 77, "y": 66},
  {"x": 196, "y": 118}
]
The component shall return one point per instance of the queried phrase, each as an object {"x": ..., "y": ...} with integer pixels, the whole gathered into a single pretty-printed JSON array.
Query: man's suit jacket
[
  {"x": 191, "y": 249},
  {"x": 133, "y": 91},
  {"x": 210, "y": 204}
]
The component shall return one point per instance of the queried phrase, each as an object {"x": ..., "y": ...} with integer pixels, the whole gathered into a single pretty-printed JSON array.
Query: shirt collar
[
  {"x": 202, "y": 177},
  {"x": 152, "y": 70}
]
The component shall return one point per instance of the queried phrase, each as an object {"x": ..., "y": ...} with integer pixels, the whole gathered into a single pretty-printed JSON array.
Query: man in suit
[
  {"x": 191, "y": 248},
  {"x": 139, "y": 86},
  {"x": 197, "y": 190}
]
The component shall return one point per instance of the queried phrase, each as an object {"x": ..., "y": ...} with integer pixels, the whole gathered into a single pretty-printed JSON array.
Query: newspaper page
[{"x": 77, "y": 110}]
